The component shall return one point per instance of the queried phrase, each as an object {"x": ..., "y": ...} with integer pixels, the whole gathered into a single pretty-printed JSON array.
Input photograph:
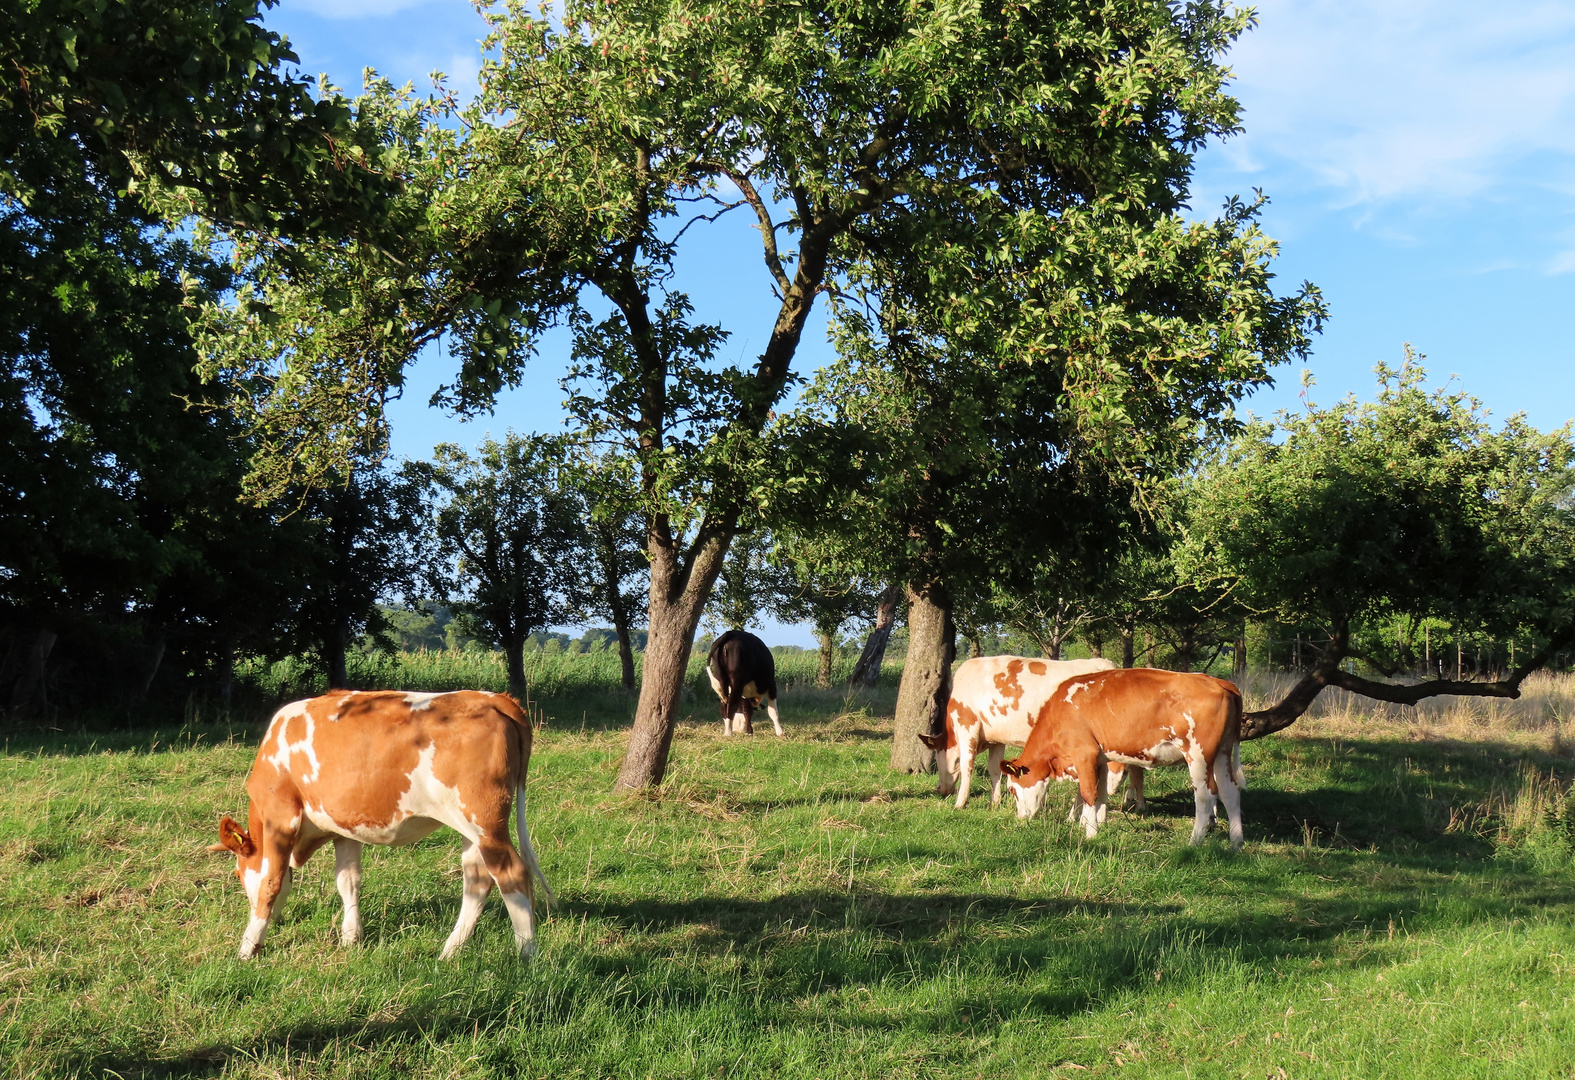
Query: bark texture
[
  {"x": 677, "y": 600},
  {"x": 867, "y": 671},
  {"x": 828, "y": 653},
  {"x": 926, "y": 677}
]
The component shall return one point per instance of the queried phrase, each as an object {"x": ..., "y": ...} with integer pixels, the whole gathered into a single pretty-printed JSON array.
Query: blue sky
[{"x": 1419, "y": 156}]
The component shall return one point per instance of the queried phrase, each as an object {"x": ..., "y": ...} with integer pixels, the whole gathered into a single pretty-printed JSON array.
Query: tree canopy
[{"x": 1406, "y": 508}]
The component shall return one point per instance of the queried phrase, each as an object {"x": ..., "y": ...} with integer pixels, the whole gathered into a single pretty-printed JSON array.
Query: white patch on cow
[
  {"x": 1071, "y": 691},
  {"x": 429, "y": 797},
  {"x": 716, "y": 684},
  {"x": 523, "y": 917},
  {"x": 1030, "y": 799},
  {"x": 1092, "y": 819},
  {"x": 418, "y": 702},
  {"x": 252, "y": 939},
  {"x": 252, "y": 881},
  {"x": 306, "y": 748}
]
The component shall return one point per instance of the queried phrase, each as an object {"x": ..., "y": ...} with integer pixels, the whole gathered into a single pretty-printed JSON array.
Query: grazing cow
[
  {"x": 389, "y": 768},
  {"x": 743, "y": 673},
  {"x": 1136, "y": 716},
  {"x": 995, "y": 701}
]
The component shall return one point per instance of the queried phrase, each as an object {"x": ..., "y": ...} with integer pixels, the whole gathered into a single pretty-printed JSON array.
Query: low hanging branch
[{"x": 1257, "y": 724}]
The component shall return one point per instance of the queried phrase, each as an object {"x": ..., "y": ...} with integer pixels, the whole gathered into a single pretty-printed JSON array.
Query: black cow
[{"x": 743, "y": 672}]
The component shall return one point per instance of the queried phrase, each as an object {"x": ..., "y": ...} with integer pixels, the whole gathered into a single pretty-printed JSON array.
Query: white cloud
[{"x": 1405, "y": 100}]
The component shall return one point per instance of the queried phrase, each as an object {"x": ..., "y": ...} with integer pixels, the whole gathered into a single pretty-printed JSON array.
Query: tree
[
  {"x": 186, "y": 101},
  {"x": 1407, "y": 508},
  {"x": 867, "y": 670},
  {"x": 507, "y": 535},
  {"x": 122, "y": 529},
  {"x": 615, "y": 572},
  {"x": 958, "y": 137},
  {"x": 982, "y": 470},
  {"x": 361, "y": 552},
  {"x": 817, "y": 593}
]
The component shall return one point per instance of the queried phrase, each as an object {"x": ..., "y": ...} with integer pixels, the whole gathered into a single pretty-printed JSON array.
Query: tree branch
[
  {"x": 768, "y": 229},
  {"x": 1255, "y": 725}
]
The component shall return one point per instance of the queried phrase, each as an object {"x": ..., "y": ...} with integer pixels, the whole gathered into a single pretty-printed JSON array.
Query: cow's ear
[
  {"x": 934, "y": 742},
  {"x": 235, "y": 838},
  {"x": 1011, "y": 768}
]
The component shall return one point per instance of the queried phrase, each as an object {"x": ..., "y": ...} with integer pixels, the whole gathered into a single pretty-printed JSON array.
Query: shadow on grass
[{"x": 769, "y": 962}]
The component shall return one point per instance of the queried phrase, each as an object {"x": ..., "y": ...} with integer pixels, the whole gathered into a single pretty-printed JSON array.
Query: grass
[{"x": 1405, "y": 906}]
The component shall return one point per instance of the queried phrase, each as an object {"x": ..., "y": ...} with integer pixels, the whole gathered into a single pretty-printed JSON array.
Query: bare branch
[
  {"x": 708, "y": 218},
  {"x": 1255, "y": 725},
  {"x": 768, "y": 228}
]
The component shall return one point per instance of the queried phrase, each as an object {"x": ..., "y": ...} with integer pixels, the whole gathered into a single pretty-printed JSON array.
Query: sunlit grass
[{"x": 793, "y": 908}]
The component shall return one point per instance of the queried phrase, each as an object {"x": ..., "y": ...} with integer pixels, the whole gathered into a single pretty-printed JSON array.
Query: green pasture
[{"x": 791, "y": 908}]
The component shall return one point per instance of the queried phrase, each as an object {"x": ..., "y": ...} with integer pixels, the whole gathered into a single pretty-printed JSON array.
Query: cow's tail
[
  {"x": 1233, "y": 733},
  {"x": 532, "y": 866},
  {"x": 522, "y": 731}
]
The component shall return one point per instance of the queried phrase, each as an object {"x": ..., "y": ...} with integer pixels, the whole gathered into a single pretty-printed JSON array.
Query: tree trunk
[
  {"x": 514, "y": 655},
  {"x": 153, "y": 659},
  {"x": 625, "y": 646},
  {"x": 926, "y": 677},
  {"x": 1238, "y": 667},
  {"x": 334, "y": 656},
  {"x": 867, "y": 671},
  {"x": 1128, "y": 631},
  {"x": 828, "y": 651},
  {"x": 227, "y": 678},
  {"x": 31, "y": 682},
  {"x": 677, "y": 600},
  {"x": 620, "y": 617}
]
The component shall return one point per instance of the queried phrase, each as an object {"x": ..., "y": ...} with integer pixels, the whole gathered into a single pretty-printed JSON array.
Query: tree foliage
[
  {"x": 507, "y": 536},
  {"x": 1406, "y": 508}
]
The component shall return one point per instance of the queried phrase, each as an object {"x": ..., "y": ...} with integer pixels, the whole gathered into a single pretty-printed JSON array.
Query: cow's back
[
  {"x": 1135, "y": 706},
  {"x": 362, "y": 759},
  {"x": 1002, "y": 696},
  {"x": 738, "y": 659}
]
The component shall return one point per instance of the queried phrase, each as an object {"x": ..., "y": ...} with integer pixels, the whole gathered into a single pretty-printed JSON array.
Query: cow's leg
[
  {"x": 965, "y": 754},
  {"x": 513, "y": 878},
  {"x": 1230, "y": 795},
  {"x": 1202, "y": 797},
  {"x": 1134, "y": 799},
  {"x": 478, "y": 886},
  {"x": 993, "y": 763},
  {"x": 749, "y": 716},
  {"x": 347, "y": 875},
  {"x": 1090, "y": 782},
  {"x": 266, "y": 887},
  {"x": 771, "y": 711}
]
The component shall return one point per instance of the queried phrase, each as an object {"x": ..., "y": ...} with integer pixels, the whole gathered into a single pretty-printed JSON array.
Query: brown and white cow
[
  {"x": 743, "y": 672},
  {"x": 1136, "y": 716},
  {"x": 994, "y": 704},
  {"x": 389, "y": 768}
]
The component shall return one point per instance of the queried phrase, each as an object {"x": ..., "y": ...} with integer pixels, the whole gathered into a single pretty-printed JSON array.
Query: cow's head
[
  {"x": 1028, "y": 783},
  {"x": 248, "y": 860},
  {"x": 947, "y": 775}
]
